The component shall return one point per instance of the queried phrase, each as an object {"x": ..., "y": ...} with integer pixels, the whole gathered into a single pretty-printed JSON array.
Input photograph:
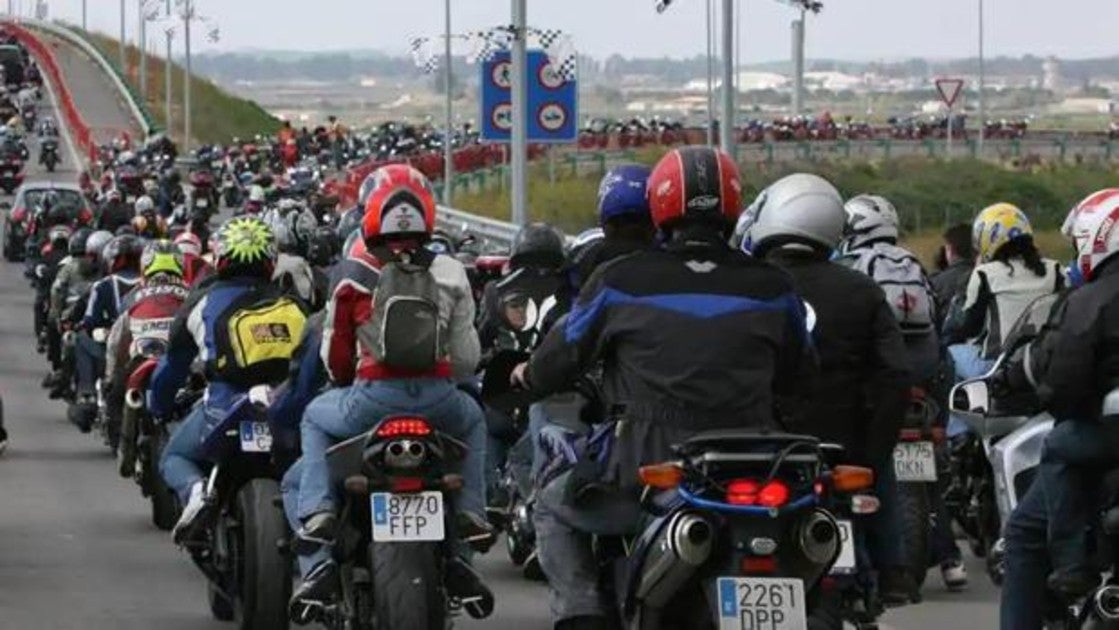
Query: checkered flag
[
  {"x": 560, "y": 49},
  {"x": 488, "y": 43},
  {"x": 423, "y": 55}
]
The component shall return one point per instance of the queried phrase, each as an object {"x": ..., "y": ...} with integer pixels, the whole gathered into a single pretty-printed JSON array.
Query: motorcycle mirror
[{"x": 971, "y": 397}]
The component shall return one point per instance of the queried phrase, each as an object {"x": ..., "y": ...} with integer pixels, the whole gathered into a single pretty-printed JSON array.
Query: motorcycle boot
[
  {"x": 189, "y": 528},
  {"x": 1072, "y": 583},
  {"x": 464, "y": 583},
  {"x": 308, "y": 602},
  {"x": 475, "y": 531}
]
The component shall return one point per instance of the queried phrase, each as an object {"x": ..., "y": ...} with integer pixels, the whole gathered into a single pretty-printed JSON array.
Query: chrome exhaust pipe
[
  {"x": 1105, "y": 604},
  {"x": 134, "y": 398},
  {"x": 683, "y": 546},
  {"x": 819, "y": 537},
  {"x": 405, "y": 454}
]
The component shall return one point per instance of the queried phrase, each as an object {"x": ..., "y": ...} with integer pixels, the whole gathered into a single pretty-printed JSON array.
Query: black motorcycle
[
  {"x": 249, "y": 579},
  {"x": 151, "y": 438},
  {"x": 48, "y": 154},
  {"x": 397, "y": 549}
]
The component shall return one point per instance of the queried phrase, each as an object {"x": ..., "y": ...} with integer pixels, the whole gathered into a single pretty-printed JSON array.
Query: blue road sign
[{"x": 553, "y": 102}]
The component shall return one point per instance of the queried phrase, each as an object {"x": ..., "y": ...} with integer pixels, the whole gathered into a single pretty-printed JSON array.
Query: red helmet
[
  {"x": 400, "y": 204},
  {"x": 694, "y": 183}
]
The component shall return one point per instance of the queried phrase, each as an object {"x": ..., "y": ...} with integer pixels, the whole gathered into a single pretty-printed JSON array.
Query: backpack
[
  {"x": 260, "y": 332},
  {"x": 903, "y": 280},
  {"x": 404, "y": 330}
]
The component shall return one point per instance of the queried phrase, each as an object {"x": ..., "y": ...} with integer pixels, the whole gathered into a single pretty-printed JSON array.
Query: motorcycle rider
[
  {"x": 1075, "y": 367},
  {"x": 1010, "y": 275},
  {"x": 147, "y": 222},
  {"x": 950, "y": 284},
  {"x": 75, "y": 250},
  {"x": 399, "y": 219},
  {"x": 859, "y": 398},
  {"x": 69, "y": 296},
  {"x": 195, "y": 267},
  {"x": 254, "y": 205},
  {"x": 623, "y": 215},
  {"x": 671, "y": 369},
  {"x": 114, "y": 213},
  {"x": 54, "y": 253},
  {"x": 148, "y": 314},
  {"x": 245, "y": 254}
]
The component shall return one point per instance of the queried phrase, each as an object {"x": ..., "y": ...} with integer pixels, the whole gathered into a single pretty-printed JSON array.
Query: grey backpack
[
  {"x": 404, "y": 331},
  {"x": 903, "y": 280}
]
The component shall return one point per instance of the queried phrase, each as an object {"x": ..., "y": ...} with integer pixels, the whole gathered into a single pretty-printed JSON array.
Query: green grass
[
  {"x": 928, "y": 193},
  {"x": 216, "y": 116}
]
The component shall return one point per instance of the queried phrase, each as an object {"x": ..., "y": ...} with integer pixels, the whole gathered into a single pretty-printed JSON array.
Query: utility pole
[
  {"x": 730, "y": 91},
  {"x": 188, "y": 15},
  {"x": 123, "y": 57},
  {"x": 518, "y": 148},
  {"x": 85, "y": 23},
  {"x": 982, "y": 85},
  {"x": 710, "y": 76},
  {"x": 168, "y": 70},
  {"x": 448, "y": 137},
  {"x": 798, "y": 64},
  {"x": 143, "y": 37}
]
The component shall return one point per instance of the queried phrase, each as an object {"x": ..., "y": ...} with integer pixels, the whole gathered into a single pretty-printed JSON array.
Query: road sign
[
  {"x": 949, "y": 90},
  {"x": 553, "y": 102}
]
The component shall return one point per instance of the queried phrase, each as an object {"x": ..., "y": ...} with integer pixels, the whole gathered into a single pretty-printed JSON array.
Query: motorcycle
[
  {"x": 739, "y": 531},
  {"x": 48, "y": 154},
  {"x": 151, "y": 437},
  {"x": 397, "y": 550},
  {"x": 249, "y": 578},
  {"x": 11, "y": 173},
  {"x": 15, "y": 232},
  {"x": 231, "y": 191}
]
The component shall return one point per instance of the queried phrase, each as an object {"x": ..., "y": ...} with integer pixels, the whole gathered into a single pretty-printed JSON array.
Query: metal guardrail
[
  {"x": 492, "y": 232},
  {"x": 92, "y": 52}
]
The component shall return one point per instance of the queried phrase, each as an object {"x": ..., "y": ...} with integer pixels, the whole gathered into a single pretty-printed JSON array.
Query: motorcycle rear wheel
[
  {"x": 407, "y": 586},
  {"x": 265, "y": 572},
  {"x": 913, "y": 505}
]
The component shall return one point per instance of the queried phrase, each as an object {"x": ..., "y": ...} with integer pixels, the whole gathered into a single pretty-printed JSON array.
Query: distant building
[{"x": 1051, "y": 74}]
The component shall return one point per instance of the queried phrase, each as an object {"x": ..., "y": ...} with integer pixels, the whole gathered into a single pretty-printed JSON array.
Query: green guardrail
[{"x": 141, "y": 106}]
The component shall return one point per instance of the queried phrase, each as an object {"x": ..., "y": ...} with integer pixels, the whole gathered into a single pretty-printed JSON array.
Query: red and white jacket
[{"x": 351, "y": 305}]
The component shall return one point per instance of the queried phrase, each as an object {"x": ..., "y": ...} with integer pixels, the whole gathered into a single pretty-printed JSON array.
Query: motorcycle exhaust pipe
[
  {"x": 1104, "y": 608},
  {"x": 819, "y": 537},
  {"x": 134, "y": 398},
  {"x": 683, "y": 545}
]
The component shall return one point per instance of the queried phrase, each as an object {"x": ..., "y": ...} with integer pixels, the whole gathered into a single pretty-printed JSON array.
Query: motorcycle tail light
[
  {"x": 864, "y": 504},
  {"x": 909, "y": 435},
  {"x": 759, "y": 565},
  {"x": 397, "y": 427},
  {"x": 19, "y": 214},
  {"x": 406, "y": 484},
  {"x": 743, "y": 492},
  {"x": 774, "y": 494},
  {"x": 851, "y": 478}
]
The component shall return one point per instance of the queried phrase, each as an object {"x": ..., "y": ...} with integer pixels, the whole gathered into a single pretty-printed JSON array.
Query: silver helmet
[
  {"x": 801, "y": 209},
  {"x": 870, "y": 218}
]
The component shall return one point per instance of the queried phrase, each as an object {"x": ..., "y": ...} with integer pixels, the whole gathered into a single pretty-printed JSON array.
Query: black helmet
[
  {"x": 350, "y": 222},
  {"x": 123, "y": 252},
  {"x": 322, "y": 247},
  {"x": 538, "y": 245},
  {"x": 76, "y": 246}
]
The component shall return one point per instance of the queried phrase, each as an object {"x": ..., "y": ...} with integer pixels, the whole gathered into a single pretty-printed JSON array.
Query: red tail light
[
  {"x": 910, "y": 435},
  {"x": 406, "y": 484},
  {"x": 19, "y": 214},
  {"x": 399, "y": 427},
  {"x": 751, "y": 492},
  {"x": 759, "y": 565},
  {"x": 743, "y": 492}
]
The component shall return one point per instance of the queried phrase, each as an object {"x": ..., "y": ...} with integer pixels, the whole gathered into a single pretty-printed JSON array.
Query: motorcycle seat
[{"x": 742, "y": 440}]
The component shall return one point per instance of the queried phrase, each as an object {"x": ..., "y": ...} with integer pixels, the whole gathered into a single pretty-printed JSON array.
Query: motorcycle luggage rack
[{"x": 715, "y": 457}]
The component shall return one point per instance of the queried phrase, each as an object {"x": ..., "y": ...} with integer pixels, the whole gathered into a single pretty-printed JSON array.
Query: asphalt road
[{"x": 77, "y": 550}]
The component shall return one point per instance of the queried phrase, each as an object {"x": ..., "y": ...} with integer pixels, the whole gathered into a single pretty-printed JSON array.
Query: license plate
[
  {"x": 845, "y": 563},
  {"x": 407, "y": 517},
  {"x": 915, "y": 461},
  {"x": 256, "y": 437},
  {"x": 202, "y": 203},
  {"x": 754, "y": 603}
]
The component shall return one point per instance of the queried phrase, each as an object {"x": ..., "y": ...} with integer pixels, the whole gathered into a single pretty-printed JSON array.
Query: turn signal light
[
  {"x": 851, "y": 478},
  {"x": 398, "y": 427},
  {"x": 661, "y": 476}
]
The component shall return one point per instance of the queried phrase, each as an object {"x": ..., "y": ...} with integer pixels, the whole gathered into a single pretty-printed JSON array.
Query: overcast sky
[{"x": 848, "y": 29}]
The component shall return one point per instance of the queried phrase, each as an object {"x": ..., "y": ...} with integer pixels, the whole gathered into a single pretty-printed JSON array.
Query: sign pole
[
  {"x": 948, "y": 149},
  {"x": 449, "y": 134},
  {"x": 730, "y": 89},
  {"x": 519, "y": 145}
]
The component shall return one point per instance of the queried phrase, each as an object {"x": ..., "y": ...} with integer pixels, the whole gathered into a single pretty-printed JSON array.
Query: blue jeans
[
  {"x": 1024, "y": 596},
  {"x": 89, "y": 357},
  {"x": 345, "y": 412},
  {"x": 179, "y": 463},
  {"x": 884, "y": 527}
]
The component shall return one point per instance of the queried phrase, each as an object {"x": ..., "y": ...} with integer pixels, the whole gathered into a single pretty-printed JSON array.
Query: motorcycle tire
[
  {"x": 265, "y": 573},
  {"x": 165, "y": 505},
  {"x": 913, "y": 506},
  {"x": 407, "y": 586},
  {"x": 519, "y": 550},
  {"x": 220, "y": 606},
  {"x": 50, "y": 167}
]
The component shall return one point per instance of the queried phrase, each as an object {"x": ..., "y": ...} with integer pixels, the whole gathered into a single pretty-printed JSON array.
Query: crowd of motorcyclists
[{"x": 578, "y": 396}]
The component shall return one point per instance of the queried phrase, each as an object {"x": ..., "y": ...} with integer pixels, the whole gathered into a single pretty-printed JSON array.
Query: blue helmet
[{"x": 622, "y": 192}]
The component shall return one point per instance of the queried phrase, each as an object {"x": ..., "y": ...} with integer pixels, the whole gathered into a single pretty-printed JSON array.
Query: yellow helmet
[
  {"x": 245, "y": 244},
  {"x": 996, "y": 226}
]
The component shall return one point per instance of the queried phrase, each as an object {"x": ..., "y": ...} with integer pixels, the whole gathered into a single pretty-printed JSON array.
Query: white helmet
[
  {"x": 800, "y": 209},
  {"x": 144, "y": 205},
  {"x": 870, "y": 218},
  {"x": 1092, "y": 227},
  {"x": 256, "y": 193}
]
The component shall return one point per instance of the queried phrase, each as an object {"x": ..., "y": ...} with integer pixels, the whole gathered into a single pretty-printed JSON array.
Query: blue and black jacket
[{"x": 106, "y": 299}]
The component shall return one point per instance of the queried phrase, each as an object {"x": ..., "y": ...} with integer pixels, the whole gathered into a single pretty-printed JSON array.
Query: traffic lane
[
  {"x": 523, "y": 605},
  {"x": 102, "y": 108}
]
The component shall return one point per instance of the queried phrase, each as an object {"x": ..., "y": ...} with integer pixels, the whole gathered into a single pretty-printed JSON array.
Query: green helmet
[
  {"x": 245, "y": 246},
  {"x": 161, "y": 261}
]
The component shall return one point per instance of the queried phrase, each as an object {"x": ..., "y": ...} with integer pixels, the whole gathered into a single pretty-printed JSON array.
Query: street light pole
[
  {"x": 519, "y": 146},
  {"x": 710, "y": 78},
  {"x": 982, "y": 85},
  {"x": 143, "y": 37},
  {"x": 448, "y": 136},
  {"x": 123, "y": 58},
  {"x": 726, "y": 130},
  {"x": 798, "y": 64},
  {"x": 85, "y": 26},
  {"x": 188, "y": 15},
  {"x": 167, "y": 72}
]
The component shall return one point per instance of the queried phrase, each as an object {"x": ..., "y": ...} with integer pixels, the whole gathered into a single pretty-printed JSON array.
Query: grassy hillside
[{"x": 216, "y": 115}]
